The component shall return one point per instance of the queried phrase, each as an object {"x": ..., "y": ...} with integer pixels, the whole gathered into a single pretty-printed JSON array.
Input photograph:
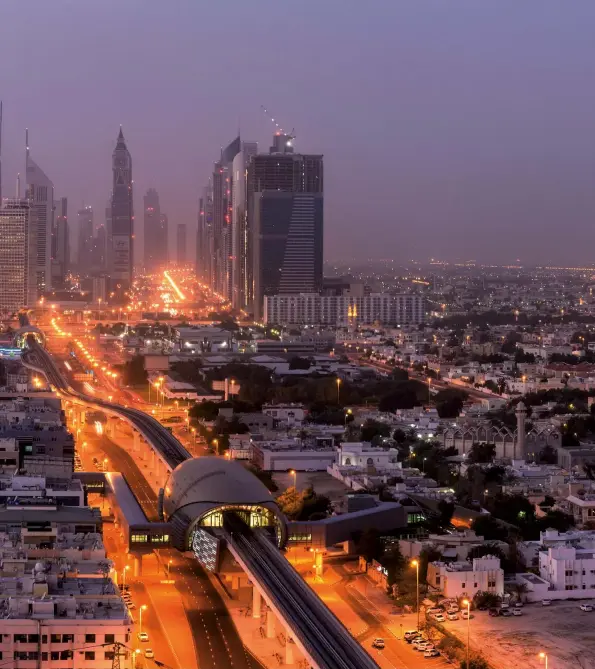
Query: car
[
  {"x": 518, "y": 605},
  {"x": 142, "y": 636},
  {"x": 149, "y": 653},
  {"x": 505, "y": 605},
  {"x": 506, "y": 613},
  {"x": 546, "y": 602},
  {"x": 378, "y": 643},
  {"x": 466, "y": 615},
  {"x": 410, "y": 633},
  {"x": 494, "y": 613},
  {"x": 586, "y": 607},
  {"x": 435, "y": 609},
  {"x": 452, "y": 609},
  {"x": 413, "y": 639},
  {"x": 432, "y": 652},
  {"x": 452, "y": 616},
  {"x": 439, "y": 618},
  {"x": 130, "y": 605},
  {"x": 517, "y": 612},
  {"x": 421, "y": 644}
]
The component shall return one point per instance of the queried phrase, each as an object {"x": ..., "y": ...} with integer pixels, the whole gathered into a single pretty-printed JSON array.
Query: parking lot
[{"x": 561, "y": 630}]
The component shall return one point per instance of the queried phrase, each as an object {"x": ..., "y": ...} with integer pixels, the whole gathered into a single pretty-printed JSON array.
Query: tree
[
  {"x": 370, "y": 546},
  {"x": 486, "y": 549},
  {"x": 207, "y": 411},
  {"x": 373, "y": 428},
  {"x": 403, "y": 397},
  {"x": 489, "y": 600},
  {"x": 449, "y": 402},
  {"x": 299, "y": 363},
  {"x": 394, "y": 563},
  {"x": 475, "y": 662},
  {"x": 489, "y": 528},
  {"x": 134, "y": 371},
  {"x": 557, "y": 520},
  {"x": 482, "y": 453}
]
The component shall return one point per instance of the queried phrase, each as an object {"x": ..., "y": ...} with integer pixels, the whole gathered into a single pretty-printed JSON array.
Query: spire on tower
[{"x": 121, "y": 143}]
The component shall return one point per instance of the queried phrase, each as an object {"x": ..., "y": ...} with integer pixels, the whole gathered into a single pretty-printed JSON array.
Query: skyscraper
[
  {"x": 156, "y": 232},
  {"x": 204, "y": 237},
  {"x": 85, "y": 241},
  {"x": 241, "y": 250},
  {"x": 40, "y": 192},
  {"x": 122, "y": 220},
  {"x": 60, "y": 243},
  {"x": 181, "y": 244},
  {"x": 17, "y": 274},
  {"x": 285, "y": 219}
]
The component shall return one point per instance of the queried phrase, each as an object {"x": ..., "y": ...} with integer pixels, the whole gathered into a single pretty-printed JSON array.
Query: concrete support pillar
[
  {"x": 136, "y": 442},
  {"x": 289, "y": 646},
  {"x": 235, "y": 582},
  {"x": 256, "y": 603},
  {"x": 270, "y": 626},
  {"x": 138, "y": 566}
]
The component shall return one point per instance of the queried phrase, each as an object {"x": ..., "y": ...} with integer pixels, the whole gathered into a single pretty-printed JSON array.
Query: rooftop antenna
[
  {"x": 19, "y": 186},
  {"x": 279, "y": 130}
]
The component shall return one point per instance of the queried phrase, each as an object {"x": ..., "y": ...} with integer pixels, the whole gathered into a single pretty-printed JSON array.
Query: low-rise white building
[
  {"x": 465, "y": 579},
  {"x": 569, "y": 568},
  {"x": 581, "y": 508},
  {"x": 283, "y": 454},
  {"x": 363, "y": 455},
  {"x": 286, "y": 414}
]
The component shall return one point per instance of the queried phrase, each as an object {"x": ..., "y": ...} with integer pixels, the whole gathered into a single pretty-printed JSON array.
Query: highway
[{"x": 326, "y": 641}]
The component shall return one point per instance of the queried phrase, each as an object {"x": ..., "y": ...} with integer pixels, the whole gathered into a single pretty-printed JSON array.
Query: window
[
  {"x": 44, "y": 638},
  {"x": 110, "y": 638},
  {"x": 20, "y": 638},
  {"x": 569, "y": 572},
  {"x": 89, "y": 655},
  {"x": 56, "y": 638},
  {"x": 54, "y": 655},
  {"x": 67, "y": 638},
  {"x": 109, "y": 655},
  {"x": 32, "y": 638},
  {"x": 44, "y": 657},
  {"x": 569, "y": 587},
  {"x": 66, "y": 654},
  {"x": 89, "y": 638},
  {"x": 463, "y": 585},
  {"x": 491, "y": 584},
  {"x": 475, "y": 585}
]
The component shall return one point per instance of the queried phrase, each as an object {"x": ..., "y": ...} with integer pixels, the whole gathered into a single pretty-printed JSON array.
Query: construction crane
[{"x": 280, "y": 131}]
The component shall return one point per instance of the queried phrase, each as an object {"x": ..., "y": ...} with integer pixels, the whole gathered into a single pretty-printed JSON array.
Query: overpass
[{"x": 320, "y": 636}]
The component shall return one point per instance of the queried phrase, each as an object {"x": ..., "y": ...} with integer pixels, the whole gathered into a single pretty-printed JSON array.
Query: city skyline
[{"x": 507, "y": 145}]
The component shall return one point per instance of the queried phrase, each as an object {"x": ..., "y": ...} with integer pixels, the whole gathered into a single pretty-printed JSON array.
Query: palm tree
[{"x": 518, "y": 589}]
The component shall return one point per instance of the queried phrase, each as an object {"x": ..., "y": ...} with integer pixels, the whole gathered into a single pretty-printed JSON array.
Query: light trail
[{"x": 173, "y": 284}]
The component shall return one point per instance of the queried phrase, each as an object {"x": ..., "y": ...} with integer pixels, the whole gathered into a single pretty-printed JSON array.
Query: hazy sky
[{"x": 450, "y": 128}]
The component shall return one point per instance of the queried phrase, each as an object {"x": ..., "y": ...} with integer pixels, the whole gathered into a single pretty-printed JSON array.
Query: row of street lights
[{"x": 467, "y": 603}]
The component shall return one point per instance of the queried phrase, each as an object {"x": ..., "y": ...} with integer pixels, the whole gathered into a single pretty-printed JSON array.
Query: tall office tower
[
  {"x": 17, "y": 265},
  {"x": 155, "y": 225},
  {"x": 204, "y": 236},
  {"x": 108, "y": 236},
  {"x": 61, "y": 244},
  {"x": 222, "y": 210},
  {"x": 99, "y": 245},
  {"x": 40, "y": 191},
  {"x": 285, "y": 218},
  {"x": 241, "y": 266},
  {"x": 181, "y": 244},
  {"x": 85, "y": 241},
  {"x": 122, "y": 221}
]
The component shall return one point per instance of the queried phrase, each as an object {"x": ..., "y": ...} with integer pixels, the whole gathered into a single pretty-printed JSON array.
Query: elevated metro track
[
  {"x": 321, "y": 637},
  {"x": 167, "y": 447},
  {"x": 317, "y": 632}
]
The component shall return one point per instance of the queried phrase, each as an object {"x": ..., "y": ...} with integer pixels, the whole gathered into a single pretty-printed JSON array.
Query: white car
[
  {"x": 143, "y": 636},
  {"x": 586, "y": 607},
  {"x": 517, "y": 612},
  {"x": 546, "y": 602},
  {"x": 439, "y": 618},
  {"x": 149, "y": 653},
  {"x": 452, "y": 616},
  {"x": 433, "y": 652},
  {"x": 378, "y": 643}
]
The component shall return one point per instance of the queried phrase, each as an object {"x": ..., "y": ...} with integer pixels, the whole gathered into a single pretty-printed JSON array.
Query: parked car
[
  {"x": 586, "y": 607},
  {"x": 149, "y": 653},
  {"x": 378, "y": 643},
  {"x": 505, "y": 605},
  {"x": 466, "y": 615},
  {"x": 453, "y": 608},
  {"x": 143, "y": 636},
  {"x": 433, "y": 652},
  {"x": 435, "y": 609},
  {"x": 517, "y": 612},
  {"x": 505, "y": 612},
  {"x": 494, "y": 613},
  {"x": 410, "y": 634},
  {"x": 546, "y": 602},
  {"x": 518, "y": 605},
  {"x": 452, "y": 616},
  {"x": 439, "y": 618}
]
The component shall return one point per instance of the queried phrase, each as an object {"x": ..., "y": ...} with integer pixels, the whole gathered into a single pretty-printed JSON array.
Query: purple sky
[{"x": 457, "y": 129}]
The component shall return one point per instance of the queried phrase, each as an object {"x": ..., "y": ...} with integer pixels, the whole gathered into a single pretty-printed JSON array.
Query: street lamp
[
  {"x": 294, "y": 474},
  {"x": 338, "y": 382},
  {"x": 467, "y": 603},
  {"x": 168, "y": 568},
  {"x": 543, "y": 656},
  {"x": 140, "y": 618},
  {"x": 415, "y": 563},
  {"x": 105, "y": 461},
  {"x": 126, "y": 568},
  {"x": 349, "y": 412},
  {"x": 216, "y": 443},
  {"x": 424, "y": 465},
  {"x": 134, "y": 655}
]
